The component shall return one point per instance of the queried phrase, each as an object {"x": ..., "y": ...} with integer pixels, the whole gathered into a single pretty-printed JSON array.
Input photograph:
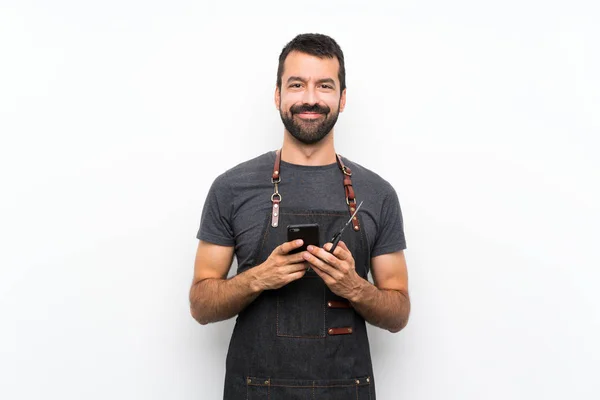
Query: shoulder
[
  {"x": 366, "y": 178},
  {"x": 247, "y": 171}
]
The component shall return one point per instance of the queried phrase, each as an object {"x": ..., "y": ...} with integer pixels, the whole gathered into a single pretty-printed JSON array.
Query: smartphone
[{"x": 309, "y": 233}]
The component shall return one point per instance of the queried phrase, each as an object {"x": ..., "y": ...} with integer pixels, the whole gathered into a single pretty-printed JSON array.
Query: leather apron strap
[{"x": 276, "y": 196}]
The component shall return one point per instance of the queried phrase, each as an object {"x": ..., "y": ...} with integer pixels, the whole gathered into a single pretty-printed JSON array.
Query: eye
[
  {"x": 295, "y": 85},
  {"x": 327, "y": 86}
]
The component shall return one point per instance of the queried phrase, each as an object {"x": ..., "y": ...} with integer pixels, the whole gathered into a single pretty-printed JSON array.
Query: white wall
[{"x": 116, "y": 116}]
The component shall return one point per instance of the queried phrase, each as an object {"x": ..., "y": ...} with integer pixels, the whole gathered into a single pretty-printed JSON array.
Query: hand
[
  {"x": 337, "y": 270},
  {"x": 280, "y": 268}
]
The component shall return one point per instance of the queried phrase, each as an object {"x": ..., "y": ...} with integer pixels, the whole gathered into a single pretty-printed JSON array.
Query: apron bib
[{"x": 302, "y": 341}]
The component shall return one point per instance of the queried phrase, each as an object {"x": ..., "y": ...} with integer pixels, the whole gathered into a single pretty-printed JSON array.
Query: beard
[{"x": 309, "y": 131}]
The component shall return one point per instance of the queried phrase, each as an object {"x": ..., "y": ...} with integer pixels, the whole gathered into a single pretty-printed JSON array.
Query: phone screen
[{"x": 309, "y": 233}]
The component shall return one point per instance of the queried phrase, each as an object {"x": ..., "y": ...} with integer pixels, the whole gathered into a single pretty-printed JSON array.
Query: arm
[
  {"x": 385, "y": 304},
  {"x": 214, "y": 298}
]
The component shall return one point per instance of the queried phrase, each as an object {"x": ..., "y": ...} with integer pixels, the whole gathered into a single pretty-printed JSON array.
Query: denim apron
[{"x": 302, "y": 341}]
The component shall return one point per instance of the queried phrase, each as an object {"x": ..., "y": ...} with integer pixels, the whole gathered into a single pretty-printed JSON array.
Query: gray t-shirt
[{"x": 239, "y": 200}]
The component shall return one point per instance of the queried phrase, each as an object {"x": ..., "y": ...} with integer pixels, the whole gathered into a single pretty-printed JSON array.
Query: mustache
[{"x": 316, "y": 108}]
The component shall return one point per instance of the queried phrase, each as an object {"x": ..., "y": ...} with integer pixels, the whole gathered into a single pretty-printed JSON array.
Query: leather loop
[
  {"x": 275, "y": 177},
  {"x": 338, "y": 304},
  {"x": 350, "y": 193},
  {"x": 344, "y": 169},
  {"x": 275, "y": 213},
  {"x": 339, "y": 331}
]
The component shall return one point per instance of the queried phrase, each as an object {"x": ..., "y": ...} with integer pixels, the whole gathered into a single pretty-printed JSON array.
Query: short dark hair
[{"x": 318, "y": 45}]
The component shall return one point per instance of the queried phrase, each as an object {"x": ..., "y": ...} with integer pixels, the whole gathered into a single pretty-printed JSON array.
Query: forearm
[
  {"x": 215, "y": 299},
  {"x": 385, "y": 308}
]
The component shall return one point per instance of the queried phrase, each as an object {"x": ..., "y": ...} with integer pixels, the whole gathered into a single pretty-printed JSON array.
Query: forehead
[{"x": 310, "y": 67}]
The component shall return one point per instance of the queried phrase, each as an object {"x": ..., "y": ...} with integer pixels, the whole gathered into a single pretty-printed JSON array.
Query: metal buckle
[
  {"x": 344, "y": 171},
  {"x": 276, "y": 193}
]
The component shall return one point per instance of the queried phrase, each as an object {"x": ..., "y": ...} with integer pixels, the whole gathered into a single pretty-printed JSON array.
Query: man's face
[{"x": 309, "y": 101}]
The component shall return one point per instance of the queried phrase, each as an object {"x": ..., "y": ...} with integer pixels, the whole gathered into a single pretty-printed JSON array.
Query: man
[{"x": 300, "y": 331}]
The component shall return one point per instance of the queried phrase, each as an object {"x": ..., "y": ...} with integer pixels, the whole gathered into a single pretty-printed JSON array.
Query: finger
[
  {"x": 324, "y": 255},
  {"x": 289, "y": 246},
  {"x": 293, "y": 258},
  {"x": 296, "y": 275},
  {"x": 317, "y": 263},
  {"x": 343, "y": 245},
  {"x": 293, "y": 268},
  {"x": 346, "y": 253},
  {"x": 325, "y": 276},
  {"x": 341, "y": 251}
]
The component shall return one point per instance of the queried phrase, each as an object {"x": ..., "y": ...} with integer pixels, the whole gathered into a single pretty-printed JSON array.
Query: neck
[{"x": 296, "y": 152}]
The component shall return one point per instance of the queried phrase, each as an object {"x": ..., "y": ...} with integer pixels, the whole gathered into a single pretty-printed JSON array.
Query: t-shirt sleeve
[
  {"x": 390, "y": 232},
  {"x": 215, "y": 223}
]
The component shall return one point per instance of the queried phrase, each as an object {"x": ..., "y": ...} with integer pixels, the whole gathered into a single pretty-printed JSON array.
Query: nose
[{"x": 310, "y": 96}]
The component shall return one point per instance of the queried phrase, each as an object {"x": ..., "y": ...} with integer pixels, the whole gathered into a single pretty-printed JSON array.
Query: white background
[{"x": 116, "y": 116}]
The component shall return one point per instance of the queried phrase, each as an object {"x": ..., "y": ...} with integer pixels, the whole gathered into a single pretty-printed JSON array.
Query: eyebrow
[{"x": 299, "y": 78}]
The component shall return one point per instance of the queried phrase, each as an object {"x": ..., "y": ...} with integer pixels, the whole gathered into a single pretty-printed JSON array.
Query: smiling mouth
[{"x": 309, "y": 115}]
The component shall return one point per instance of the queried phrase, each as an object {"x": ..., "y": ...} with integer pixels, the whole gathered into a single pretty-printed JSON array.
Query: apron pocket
[
  {"x": 301, "y": 309},
  {"x": 293, "y": 389}
]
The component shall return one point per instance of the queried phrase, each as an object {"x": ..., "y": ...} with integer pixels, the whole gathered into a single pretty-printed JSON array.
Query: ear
[
  {"x": 343, "y": 100},
  {"x": 277, "y": 97}
]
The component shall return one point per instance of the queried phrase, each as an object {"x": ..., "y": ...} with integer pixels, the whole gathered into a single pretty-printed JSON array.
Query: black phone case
[{"x": 309, "y": 233}]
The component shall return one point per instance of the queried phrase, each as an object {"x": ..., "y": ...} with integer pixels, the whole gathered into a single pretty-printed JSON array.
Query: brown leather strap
[
  {"x": 350, "y": 197},
  {"x": 276, "y": 197},
  {"x": 340, "y": 331},
  {"x": 277, "y": 166},
  {"x": 338, "y": 304}
]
